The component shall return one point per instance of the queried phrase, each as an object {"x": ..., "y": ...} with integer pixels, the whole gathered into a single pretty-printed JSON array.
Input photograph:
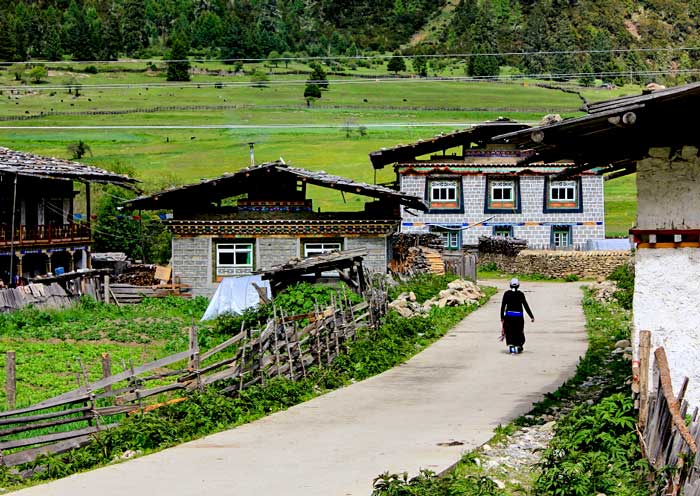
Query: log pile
[
  {"x": 501, "y": 245},
  {"x": 138, "y": 275},
  {"x": 402, "y": 242},
  {"x": 421, "y": 260},
  {"x": 458, "y": 292},
  {"x": 417, "y": 253}
]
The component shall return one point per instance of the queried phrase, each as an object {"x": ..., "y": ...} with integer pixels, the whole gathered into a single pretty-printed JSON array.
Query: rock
[
  {"x": 660, "y": 152},
  {"x": 548, "y": 427},
  {"x": 411, "y": 296},
  {"x": 442, "y": 303},
  {"x": 404, "y": 311},
  {"x": 499, "y": 484},
  {"x": 127, "y": 454},
  {"x": 486, "y": 447},
  {"x": 623, "y": 343},
  {"x": 689, "y": 152}
]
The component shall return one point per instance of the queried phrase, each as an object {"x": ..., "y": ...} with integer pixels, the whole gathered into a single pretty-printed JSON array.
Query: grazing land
[{"x": 355, "y": 116}]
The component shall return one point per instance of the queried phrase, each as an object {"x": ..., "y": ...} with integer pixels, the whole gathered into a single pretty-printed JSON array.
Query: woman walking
[{"x": 512, "y": 317}]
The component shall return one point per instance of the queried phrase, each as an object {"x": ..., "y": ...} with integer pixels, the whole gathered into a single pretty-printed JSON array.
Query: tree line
[{"x": 107, "y": 29}]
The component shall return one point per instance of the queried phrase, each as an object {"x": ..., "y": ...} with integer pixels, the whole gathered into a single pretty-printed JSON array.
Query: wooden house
[
  {"x": 476, "y": 188},
  {"x": 261, "y": 217},
  {"x": 38, "y": 227},
  {"x": 653, "y": 135}
]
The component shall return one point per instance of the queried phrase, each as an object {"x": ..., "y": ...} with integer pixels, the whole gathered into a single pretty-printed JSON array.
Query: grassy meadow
[{"x": 335, "y": 133}]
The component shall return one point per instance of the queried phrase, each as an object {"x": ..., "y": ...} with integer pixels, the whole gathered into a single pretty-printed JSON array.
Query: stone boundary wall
[{"x": 559, "y": 264}]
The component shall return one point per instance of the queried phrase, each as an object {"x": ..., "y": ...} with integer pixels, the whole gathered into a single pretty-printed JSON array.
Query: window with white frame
[
  {"x": 563, "y": 191},
  {"x": 443, "y": 194},
  {"x": 313, "y": 249},
  {"x": 450, "y": 240},
  {"x": 502, "y": 191},
  {"x": 234, "y": 259},
  {"x": 561, "y": 236}
]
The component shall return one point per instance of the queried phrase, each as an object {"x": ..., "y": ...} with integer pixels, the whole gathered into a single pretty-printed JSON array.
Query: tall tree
[
  {"x": 113, "y": 39},
  {"x": 79, "y": 36},
  {"x": 7, "y": 42},
  {"x": 179, "y": 67},
  {"x": 396, "y": 63},
  {"x": 133, "y": 26}
]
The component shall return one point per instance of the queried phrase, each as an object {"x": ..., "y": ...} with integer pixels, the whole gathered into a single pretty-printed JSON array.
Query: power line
[
  {"x": 369, "y": 57},
  {"x": 366, "y": 80}
]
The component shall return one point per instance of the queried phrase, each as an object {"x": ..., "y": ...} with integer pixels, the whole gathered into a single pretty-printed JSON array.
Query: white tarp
[{"x": 235, "y": 295}]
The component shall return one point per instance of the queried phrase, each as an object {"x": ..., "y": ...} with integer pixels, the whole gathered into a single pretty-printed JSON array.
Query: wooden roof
[
  {"x": 238, "y": 183},
  {"x": 618, "y": 132},
  {"x": 477, "y": 134},
  {"x": 318, "y": 263},
  {"x": 30, "y": 164}
]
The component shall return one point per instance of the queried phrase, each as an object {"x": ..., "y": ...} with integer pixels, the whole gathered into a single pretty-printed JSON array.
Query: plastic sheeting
[{"x": 235, "y": 295}]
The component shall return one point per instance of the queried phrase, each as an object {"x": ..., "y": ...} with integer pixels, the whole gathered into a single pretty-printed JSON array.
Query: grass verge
[{"x": 374, "y": 351}]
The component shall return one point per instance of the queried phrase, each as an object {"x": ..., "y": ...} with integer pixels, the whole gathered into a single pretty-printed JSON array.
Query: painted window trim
[
  {"x": 488, "y": 209},
  {"x": 503, "y": 226},
  {"x": 338, "y": 242},
  {"x": 561, "y": 227},
  {"x": 547, "y": 209},
  {"x": 460, "y": 195},
  {"x": 244, "y": 268},
  {"x": 441, "y": 231}
]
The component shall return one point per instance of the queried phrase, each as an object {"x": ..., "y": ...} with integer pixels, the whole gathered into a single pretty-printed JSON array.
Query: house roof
[
  {"x": 479, "y": 134},
  {"x": 318, "y": 263},
  {"x": 618, "y": 132},
  {"x": 30, "y": 164},
  {"x": 237, "y": 183}
]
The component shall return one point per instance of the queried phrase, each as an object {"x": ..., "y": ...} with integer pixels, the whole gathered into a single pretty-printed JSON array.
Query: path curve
[{"x": 459, "y": 389}]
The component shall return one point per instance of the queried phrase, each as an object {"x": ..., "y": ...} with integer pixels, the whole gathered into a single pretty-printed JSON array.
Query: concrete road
[{"x": 459, "y": 389}]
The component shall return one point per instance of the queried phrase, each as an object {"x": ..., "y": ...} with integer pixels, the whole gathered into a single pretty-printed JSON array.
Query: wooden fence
[
  {"x": 461, "y": 264},
  {"x": 669, "y": 435},
  {"x": 282, "y": 348}
]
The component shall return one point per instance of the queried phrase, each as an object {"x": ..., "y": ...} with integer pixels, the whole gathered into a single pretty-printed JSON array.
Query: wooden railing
[{"x": 42, "y": 234}]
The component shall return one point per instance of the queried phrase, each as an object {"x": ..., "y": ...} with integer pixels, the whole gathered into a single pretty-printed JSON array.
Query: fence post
[
  {"x": 644, "y": 356},
  {"x": 106, "y": 369},
  {"x": 106, "y": 289},
  {"x": 11, "y": 379}
]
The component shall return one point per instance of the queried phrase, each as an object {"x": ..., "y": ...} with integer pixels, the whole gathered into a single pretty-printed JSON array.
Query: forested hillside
[
  {"x": 233, "y": 29},
  {"x": 106, "y": 29}
]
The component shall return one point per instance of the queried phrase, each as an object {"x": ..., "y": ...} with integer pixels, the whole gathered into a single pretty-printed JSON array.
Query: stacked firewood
[
  {"x": 501, "y": 245},
  {"x": 401, "y": 242},
  {"x": 138, "y": 275},
  {"x": 421, "y": 260}
]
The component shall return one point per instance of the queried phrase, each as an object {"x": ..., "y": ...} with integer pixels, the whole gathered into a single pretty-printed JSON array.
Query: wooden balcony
[{"x": 36, "y": 235}]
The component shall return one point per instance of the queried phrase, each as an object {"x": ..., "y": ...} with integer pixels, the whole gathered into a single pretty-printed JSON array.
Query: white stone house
[
  {"x": 260, "y": 217},
  {"x": 654, "y": 135},
  {"x": 475, "y": 189}
]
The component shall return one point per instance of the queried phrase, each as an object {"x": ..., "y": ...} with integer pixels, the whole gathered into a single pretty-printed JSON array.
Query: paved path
[{"x": 459, "y": 389}]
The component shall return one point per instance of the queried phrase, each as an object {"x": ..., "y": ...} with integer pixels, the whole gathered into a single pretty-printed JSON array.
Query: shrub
[
  {"x": 91, "y": 69},
  {"x": 624, "y": 277},
  {"x": 571, "y": 278}
]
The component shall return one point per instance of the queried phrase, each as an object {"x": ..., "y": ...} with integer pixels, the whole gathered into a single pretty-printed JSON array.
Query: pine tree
[
  {"x": 318, "y": 76},
  {"x": 133, "y": 26},
  {"x": 484, "y": 40},
  {"x": 78, "y": 33},
  {"x": 179, "y": 69},
  {"x": 7, "y": 42},
  {"x": 420, "y": 66},
  {"x": 396, "y": 63},
  {"x": 113, "y": 39},
  {"x": 601, "y": 55}
]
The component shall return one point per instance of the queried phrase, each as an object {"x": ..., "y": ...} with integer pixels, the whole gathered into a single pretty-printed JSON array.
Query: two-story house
[
  {"x": 39, "y": 228},
  {"x": 475, "y": 188}
]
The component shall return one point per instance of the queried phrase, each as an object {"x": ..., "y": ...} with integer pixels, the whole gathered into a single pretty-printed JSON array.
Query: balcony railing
[{"x": 26, "y": 235}]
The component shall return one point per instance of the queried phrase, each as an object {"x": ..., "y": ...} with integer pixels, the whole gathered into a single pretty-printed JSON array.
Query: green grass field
[{"x": 164, "y": 157}]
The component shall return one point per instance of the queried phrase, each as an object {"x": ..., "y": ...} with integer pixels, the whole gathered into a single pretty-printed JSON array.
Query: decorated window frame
[
  {"x": 234, "y": 258},
  {"x": 561, "y": 237},
  {"x": 313, "y": 247},
  {"x": 451, "y": 238},
  {"x": 444, "y": 194},
  {"x": 563, "y": 196},
  {"x": 502, "y": 195},
  {"x": 505, "y": 230}
]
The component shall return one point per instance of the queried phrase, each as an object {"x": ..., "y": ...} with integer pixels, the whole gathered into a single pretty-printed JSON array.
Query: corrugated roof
[
  {"x": 30, "y": 164},
  {"x": 236, "y": 183}
]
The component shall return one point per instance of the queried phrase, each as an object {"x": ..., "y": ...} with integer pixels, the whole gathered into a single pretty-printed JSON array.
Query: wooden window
[
  {"x": 563, "y": 196},
  {"x": 444, "y": 195},
  {"x": 234, "y": 259},
  {"x": 502, "y": 195},
  {"x": 312, "y": 248},
  {"x": 561, "y": 236},
  {"x": 451, "y": 239},
  {"x": 504, "y": 231}
]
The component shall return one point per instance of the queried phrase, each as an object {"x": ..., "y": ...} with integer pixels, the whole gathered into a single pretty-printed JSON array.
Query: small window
[
  {"x": 451, "y": 239},
  {"x": 313, "y": 249},
  {"x": 234, "y": 259},
  {"x": 503, "y": 231},
  {"x": 502, "y": 195},
  {"x": 562, "y": 196},
  {"x": 561, "y": 236},
  {"x": 444, "y": 195}
]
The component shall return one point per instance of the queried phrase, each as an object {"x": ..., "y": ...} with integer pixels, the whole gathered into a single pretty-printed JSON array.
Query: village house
[
  {"x": 654, "y": 135},
  {"x": 475, "y": 188},
  {"x": 260, "y": 217},
  {"x": 39, "y": 228}
]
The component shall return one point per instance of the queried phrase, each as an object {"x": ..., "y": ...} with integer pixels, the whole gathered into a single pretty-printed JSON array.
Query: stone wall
[
  {"x": 376, "y": 260},
  {"x": 192, "y": 263},
  {"x": 275, "y": 251},
  {"x": 589, "y": 264},
  {"x": 532, "y": 224}
]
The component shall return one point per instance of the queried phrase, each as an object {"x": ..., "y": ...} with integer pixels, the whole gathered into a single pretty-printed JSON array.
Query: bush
[
  {"x": 624, "y": 277},
  {"x": 571, "y": 278},
  {"x": 91, "y": 69}
]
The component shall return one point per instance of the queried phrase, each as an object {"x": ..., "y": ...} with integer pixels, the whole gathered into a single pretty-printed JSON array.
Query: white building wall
[
  {"x": 667, "y": 280},
  {"x": 531, "y": 224}
]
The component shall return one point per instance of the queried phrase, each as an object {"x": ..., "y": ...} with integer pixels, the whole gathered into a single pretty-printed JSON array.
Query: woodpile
[
  {"x": 458, "y": 292},
  {"x": 138, "y": 275},
  {"x": 417, "y": 254},
  {"x": 421, "y": 260},
  {"x": 501, "y": 245}
]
